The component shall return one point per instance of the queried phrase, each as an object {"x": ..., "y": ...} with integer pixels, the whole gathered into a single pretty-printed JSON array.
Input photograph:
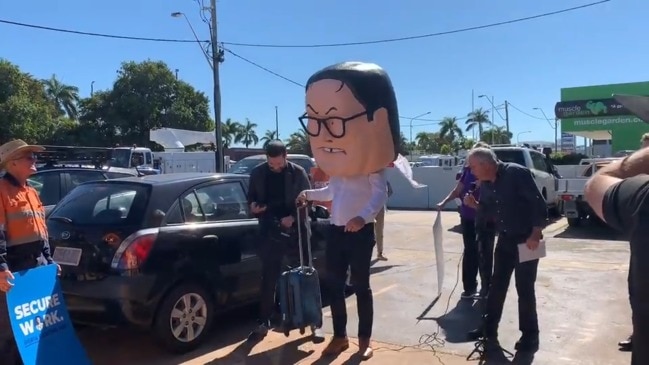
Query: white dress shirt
[{"x": 358, "y": 196}]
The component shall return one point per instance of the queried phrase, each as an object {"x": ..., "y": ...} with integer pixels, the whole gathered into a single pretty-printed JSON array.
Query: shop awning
[
  {"x": 591, "y": 134},
  {"x": 173, "y": 139}
]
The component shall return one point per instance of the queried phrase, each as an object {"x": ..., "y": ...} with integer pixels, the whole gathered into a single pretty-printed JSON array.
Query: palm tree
[
  {"x": 497, "y": 135},
  {"x": 229, "y": 129},
  {"x": 268, "y": 136},
  {"x": 449, "y": 130},
  {"x": 298, "y": 142},
  {"x": 477, "y": 118},
  {"x": 64, "y": 97},
  {"x": 247, "y": 135}
]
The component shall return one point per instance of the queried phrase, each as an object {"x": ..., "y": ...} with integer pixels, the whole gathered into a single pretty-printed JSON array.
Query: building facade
[{"x": 592, "y": 113}]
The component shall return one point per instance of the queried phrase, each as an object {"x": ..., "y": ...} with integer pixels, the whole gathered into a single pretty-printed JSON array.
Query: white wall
[{"x": 439, "y": 180}]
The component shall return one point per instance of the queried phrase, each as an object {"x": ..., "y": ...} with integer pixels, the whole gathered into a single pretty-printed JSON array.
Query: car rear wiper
[{"x": 62, "y": 219}]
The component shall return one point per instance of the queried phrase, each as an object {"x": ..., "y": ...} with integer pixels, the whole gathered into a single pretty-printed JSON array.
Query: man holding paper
[{"x": 508, "y": 189}]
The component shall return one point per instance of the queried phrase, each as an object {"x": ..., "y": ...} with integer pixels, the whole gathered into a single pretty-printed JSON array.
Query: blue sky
[{"x": 525, "y": 63}]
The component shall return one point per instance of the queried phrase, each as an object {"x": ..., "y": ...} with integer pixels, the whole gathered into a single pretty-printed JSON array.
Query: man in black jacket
[{"x": 274, "y": 187}]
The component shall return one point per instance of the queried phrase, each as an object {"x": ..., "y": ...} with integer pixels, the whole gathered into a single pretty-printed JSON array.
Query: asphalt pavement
[{"x": 581, "y": 294}]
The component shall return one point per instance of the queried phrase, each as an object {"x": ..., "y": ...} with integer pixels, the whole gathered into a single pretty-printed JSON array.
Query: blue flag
[{"x": 40, "y": 321}]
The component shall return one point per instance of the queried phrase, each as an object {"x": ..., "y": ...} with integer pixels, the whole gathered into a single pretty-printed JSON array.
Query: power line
[
  {"x": 263, "y": 68},
  {"x": 421, "y": 36},
  {"x": 530, "y": 115},
  {"x": 324, "y": 45},
  {"x": 102, "y": 35}
]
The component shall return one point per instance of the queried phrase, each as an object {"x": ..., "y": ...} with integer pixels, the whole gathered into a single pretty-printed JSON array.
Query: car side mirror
[{"x": 321, "y": 212}]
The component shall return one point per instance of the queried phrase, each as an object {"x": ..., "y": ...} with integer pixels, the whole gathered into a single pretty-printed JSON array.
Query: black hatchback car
[{"x": 162, "y": 252}]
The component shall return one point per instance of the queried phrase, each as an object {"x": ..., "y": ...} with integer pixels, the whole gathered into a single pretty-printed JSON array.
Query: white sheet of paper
[
  {"x": 525, "y": 254},
  {"x": 402, "y": 164},
  {"x": 438, "y": 234}
]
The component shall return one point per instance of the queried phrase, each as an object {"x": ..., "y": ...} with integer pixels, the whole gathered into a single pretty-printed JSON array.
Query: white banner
[
  {"x": 404, "y": 167},
  {"x": 438, "y": 234}
]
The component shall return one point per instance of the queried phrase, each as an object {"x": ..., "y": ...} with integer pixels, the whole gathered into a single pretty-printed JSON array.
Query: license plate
[{"x": 67, "y": 256}]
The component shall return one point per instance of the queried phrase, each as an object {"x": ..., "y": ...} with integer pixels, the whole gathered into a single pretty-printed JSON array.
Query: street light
[
  {"x": 178, "y": 14},
  {"x": 92, "y": 88},
  {"x": 556, "y": 144},
  {"x": 518, "y": 136},
  {"x": 493, "y": 107},
  {"x": 411, "y": 119},
  {"x": 214, "y": 61}
]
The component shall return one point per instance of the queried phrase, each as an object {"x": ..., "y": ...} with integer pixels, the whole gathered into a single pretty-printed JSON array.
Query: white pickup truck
[{"x": 571, "y": 192}]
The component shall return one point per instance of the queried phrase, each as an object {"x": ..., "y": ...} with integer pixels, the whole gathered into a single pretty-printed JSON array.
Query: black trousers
[
  {"x": 486, "y": 233},
  {"x": 506, "y": 262},
  {"x": 275, "y": 253},
  {"x": 471, "y": 256},
  {"x": 353, "y": 250},
  {"x": 639, "y": 285},
  {"x": 9, "y": 354}
]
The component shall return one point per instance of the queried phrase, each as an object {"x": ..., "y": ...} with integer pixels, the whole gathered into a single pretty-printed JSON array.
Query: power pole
[
  {"x": 176, "y": 74},
  {"x": 276, "y": 123},
  {"x": 507, "y": 115},
  {"x": 217, "y": 57}
]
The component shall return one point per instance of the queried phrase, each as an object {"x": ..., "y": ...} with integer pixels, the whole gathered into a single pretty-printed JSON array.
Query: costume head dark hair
[{"x": 371, "y": 86}]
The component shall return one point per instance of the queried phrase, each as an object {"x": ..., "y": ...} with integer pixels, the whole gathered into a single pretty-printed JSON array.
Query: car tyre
[{"x": 184, "y": 318}]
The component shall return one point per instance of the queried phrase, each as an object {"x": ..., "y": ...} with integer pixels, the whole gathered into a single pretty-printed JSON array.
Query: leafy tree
[
  {"x": 477, "y": 118},
  {"x": 268, "y": 136},
  {"x": 25, "y": 111},
  {"x": 64, "y": 97},
  {"x": 445, "y": 150},
  {"x": 496, "y": 135},
  {"x": 247, "y": 134},
  {"x": 298, "y": 142},
  {"x": 147, "y": 96},
  {"x": 450, "y": 130},
  {"x": 230, "y": 129}
]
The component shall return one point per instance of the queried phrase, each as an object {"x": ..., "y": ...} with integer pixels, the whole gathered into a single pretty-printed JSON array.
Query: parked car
[
  {"x": 542, "y": 169},
  {"x": 245, "y": 165},
  {"x": 161, "y": 252},
  {"x": 53, "y": 184}
]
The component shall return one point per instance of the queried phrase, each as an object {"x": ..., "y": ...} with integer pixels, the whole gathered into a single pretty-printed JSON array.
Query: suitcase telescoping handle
[{"x": 304, "y": 209}]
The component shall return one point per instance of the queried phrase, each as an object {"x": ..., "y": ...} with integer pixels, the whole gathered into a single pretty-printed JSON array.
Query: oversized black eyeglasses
[{"x": 334, "y": 125}]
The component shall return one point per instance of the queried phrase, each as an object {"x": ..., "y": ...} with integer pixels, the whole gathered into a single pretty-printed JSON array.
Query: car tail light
[
  {"x": 567, "y": 197},
  {"x": 134, "y": 250}
]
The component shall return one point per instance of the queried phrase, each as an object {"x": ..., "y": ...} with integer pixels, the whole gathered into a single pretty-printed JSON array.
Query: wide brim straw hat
[{"x": 12, "y": 149}]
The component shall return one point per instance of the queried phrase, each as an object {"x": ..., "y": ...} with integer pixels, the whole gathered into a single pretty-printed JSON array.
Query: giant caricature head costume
[{"x": 351, "y": 119}]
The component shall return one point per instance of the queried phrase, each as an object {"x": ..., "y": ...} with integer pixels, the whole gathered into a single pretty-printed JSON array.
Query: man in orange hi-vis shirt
[{"x": 320, "y": 180}]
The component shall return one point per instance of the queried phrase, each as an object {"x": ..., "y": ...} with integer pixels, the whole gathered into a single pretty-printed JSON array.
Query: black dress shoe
[
  {"x": 527, "y": 344},
  {"x": 474, "y": 335},
  {"x": 626, "y": 345}
]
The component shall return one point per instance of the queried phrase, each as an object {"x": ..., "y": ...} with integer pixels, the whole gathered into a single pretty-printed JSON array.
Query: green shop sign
[
  {"x": 589, "y": 108},
  {"x": 598, "y": 123}
]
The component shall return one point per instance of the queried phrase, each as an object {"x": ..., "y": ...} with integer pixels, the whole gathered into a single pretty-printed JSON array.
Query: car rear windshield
[
  {"x": 104, "y": 204},
  {"x": 515, "y": 156},
  {"x": 305, "y": 163},
  {"x": 245, "y": 166}
]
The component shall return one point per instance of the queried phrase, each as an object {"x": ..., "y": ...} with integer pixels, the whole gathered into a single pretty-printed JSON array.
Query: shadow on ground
[
  {"x": 288, "y": 353},
  {"x": 464, "y": 317},
  {"x": 591, "y": 231},
  {"x": 125, "y": 346}
]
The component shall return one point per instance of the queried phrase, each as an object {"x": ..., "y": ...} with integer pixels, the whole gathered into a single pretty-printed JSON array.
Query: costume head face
[{"x": 351, "y": 119}]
